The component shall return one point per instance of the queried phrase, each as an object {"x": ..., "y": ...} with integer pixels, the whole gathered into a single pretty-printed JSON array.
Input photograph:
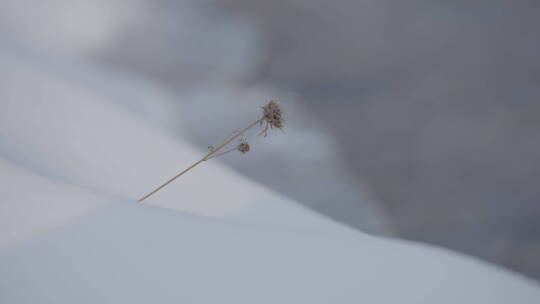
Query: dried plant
[
  {"x": 243, "y": 146},
  {"x": 272, "y": 117}
]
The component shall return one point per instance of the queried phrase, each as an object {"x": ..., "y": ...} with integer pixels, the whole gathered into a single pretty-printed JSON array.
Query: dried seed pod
[
  {"x": 243, "y": 146},
  {"x": 272, "y": 116}
]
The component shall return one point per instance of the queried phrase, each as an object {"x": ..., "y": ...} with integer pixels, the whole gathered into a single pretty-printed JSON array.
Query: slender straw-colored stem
[
  {"x": 208, "y": 156},
  {"x": 235, "y": 136},
  {"x": 222, "y": 153},
  {"x": 171, "y": 180}
]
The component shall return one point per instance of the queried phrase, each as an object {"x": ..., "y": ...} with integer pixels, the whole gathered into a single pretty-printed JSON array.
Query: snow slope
[{"x": 72, "y": 164}]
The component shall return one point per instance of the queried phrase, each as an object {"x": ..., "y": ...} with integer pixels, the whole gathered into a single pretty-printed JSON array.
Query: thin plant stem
[
  {"x": 208, "y": 156},
  {"x": 235, "y": 136},
  {"x": 171, "y": 180},
  {"x": 222, "y": 153}
]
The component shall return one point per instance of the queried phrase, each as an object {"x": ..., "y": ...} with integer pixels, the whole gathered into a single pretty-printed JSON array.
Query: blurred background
[{"x": 411, "y": 119}]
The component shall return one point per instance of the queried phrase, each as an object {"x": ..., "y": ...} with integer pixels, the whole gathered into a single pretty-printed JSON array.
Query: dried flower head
[
  {"x": 272, "y": 116},
  {"x": 243, "y": 146}
]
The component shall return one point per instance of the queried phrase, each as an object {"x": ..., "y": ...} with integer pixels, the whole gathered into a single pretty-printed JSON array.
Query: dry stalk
[{"x": 272, "y": 116}]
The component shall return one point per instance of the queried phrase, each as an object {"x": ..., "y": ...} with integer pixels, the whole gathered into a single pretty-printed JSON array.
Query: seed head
[
  {"x": 272, "y": 116},
  {"x": 243, "y": 146}
]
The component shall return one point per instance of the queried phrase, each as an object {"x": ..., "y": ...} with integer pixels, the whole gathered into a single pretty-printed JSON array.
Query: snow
[
  {"x": 84, "y": 27},
  {"x": 205, "y": 57},
  {"x": 74, "y": 136},
  {"x": 72, "y": 163}
]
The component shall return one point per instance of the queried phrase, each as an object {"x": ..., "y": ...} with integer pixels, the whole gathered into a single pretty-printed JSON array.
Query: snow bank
[
  {"x": 206, "y": 55},
  {"x": 69, "y": 133},
  {"x": 73, "y": 28},
  {"x": 72, "y": 165}
]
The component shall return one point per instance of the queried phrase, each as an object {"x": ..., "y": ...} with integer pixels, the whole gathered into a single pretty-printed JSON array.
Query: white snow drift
[{"x": 72, "y": 165}]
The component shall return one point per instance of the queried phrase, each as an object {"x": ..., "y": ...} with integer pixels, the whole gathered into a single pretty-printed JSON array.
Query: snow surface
[
  {"x": 73, "y": 162},
  {"x": 204, "y": 58}
]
